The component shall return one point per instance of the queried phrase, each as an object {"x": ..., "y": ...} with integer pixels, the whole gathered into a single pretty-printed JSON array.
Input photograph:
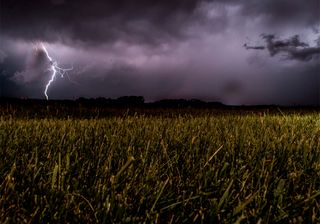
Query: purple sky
[{"x": 164, "y": 49}]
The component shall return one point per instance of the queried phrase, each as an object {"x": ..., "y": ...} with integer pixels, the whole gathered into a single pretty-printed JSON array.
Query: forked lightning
[{"x": 55, "y": 70}]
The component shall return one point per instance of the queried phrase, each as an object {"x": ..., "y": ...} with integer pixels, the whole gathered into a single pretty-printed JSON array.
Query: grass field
[{"x": 226, "y": 168}]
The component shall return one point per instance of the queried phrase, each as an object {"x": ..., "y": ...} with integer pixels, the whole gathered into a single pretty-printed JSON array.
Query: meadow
[{"x": 228, "y": 167}]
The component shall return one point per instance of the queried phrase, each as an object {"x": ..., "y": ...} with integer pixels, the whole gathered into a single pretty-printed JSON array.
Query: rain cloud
[{"x": 164, "y": 49}]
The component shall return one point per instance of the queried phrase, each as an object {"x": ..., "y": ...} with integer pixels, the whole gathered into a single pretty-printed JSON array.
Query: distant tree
[{"x": 130, "y": 100}]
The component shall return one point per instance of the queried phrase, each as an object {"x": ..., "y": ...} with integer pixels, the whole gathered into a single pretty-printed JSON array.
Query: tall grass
[{"x": 227, "y": 168}]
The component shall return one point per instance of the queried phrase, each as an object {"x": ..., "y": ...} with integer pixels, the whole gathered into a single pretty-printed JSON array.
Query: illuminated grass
[{"x": 229, "y": 168}]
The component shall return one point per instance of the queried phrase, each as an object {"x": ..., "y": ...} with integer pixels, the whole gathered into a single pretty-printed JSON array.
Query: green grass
[{"x": 224, "y": 169}]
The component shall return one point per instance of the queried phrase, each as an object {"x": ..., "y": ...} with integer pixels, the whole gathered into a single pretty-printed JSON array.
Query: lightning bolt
[{"x": 55, "y": 70}]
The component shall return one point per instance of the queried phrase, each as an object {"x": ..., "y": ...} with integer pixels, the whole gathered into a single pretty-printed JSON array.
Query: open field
[{"x": 187, "y": 167}]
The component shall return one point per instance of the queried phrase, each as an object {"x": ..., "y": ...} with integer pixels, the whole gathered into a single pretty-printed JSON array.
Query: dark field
[{"x": 81, "y": 162}]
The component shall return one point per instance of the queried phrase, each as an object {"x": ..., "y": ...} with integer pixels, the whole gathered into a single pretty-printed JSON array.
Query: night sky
[{"x": 232, "y": 51}]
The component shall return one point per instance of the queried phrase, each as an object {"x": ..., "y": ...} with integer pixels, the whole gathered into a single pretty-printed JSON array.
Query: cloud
[
  {"x": 147, "y": 22},
  {"x": 254, "y": 47},
  {"x": 36, "y": 66},
  {"x": 280, "y": 13},
  {"x": 293, "y": 48},
  {"x": 144, "y": 21},
  {"x": 162, "y": 49},
  {"x": 3, "y": 55}
]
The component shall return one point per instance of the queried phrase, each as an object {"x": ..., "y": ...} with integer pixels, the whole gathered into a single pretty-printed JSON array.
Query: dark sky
[{"x": 164, "y": 49}]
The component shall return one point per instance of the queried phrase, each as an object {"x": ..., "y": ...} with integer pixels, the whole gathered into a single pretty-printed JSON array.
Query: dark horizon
[{"x": 129, "y": 101}]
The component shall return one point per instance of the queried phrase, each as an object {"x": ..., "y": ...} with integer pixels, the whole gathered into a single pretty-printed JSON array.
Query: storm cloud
[
  {"x": 292, "y": 48},
  {"x": 164, "y": 49},
  {"x": 98, "y": 21}
]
